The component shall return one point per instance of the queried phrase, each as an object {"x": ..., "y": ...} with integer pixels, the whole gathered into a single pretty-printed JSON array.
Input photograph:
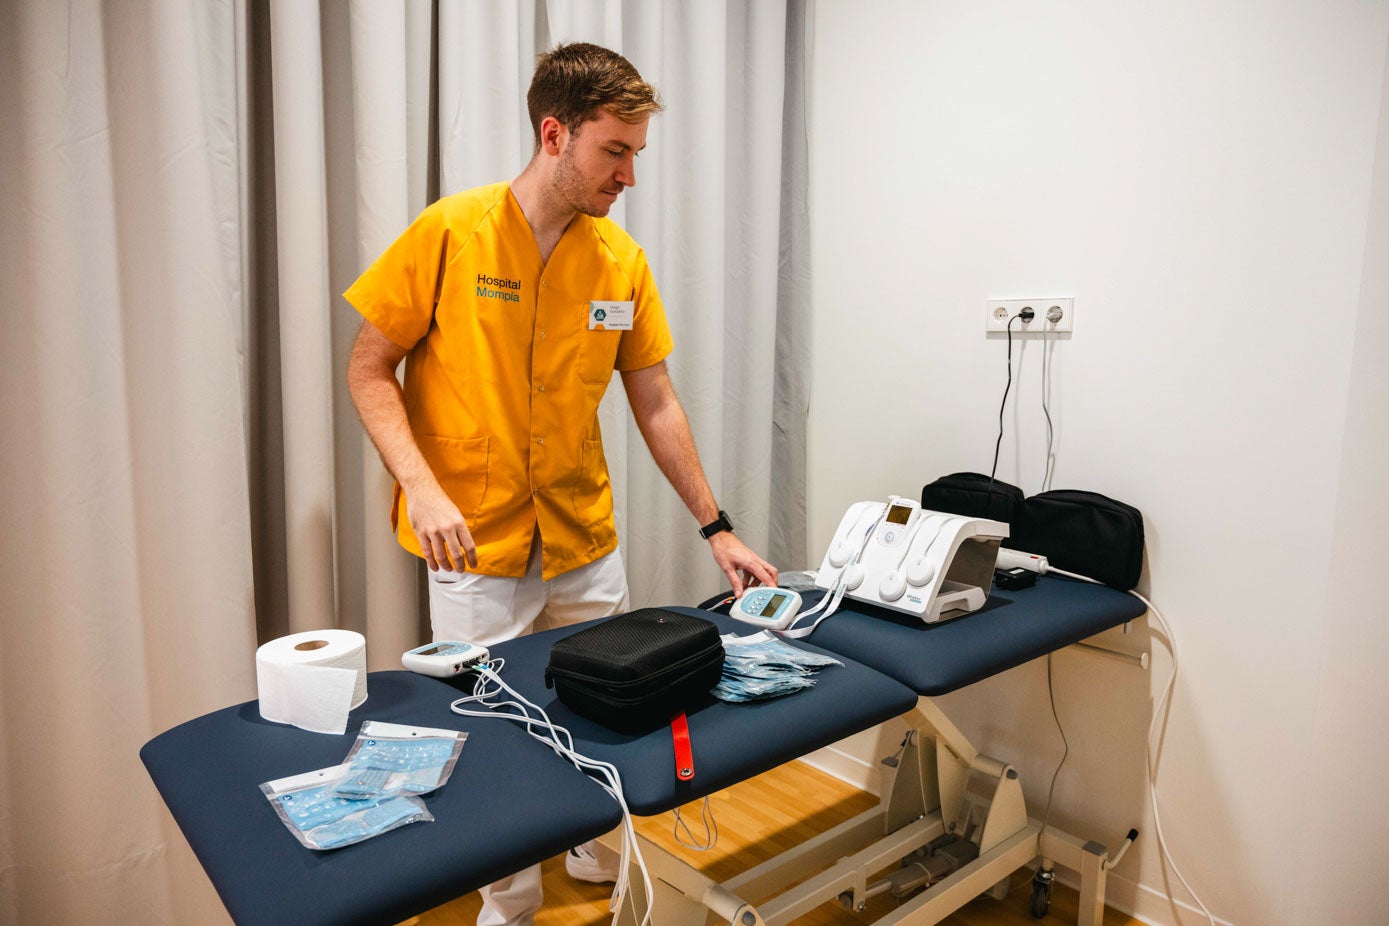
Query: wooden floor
[{"x": 758, "y": 819}]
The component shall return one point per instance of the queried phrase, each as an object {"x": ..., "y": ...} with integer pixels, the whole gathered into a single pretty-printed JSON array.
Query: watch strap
[{"x": 722, "y": 523}]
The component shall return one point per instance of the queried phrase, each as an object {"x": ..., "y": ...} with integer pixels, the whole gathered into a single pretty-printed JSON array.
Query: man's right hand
[{"x": 442, "y": 531}]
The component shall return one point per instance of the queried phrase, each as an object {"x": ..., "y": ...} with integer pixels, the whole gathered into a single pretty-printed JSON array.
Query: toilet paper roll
[{"x": 312, "y": 679}]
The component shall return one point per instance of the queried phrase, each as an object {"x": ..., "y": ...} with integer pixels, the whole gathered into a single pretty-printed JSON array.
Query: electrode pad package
[
  {"x": 390, "y": 759},
  {"x": 321, "y": 820},
  {"x": 762, "y": 666}
]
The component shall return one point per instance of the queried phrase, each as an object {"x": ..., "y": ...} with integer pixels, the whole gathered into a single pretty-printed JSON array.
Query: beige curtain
[
  {"x": 126, "y": 567},
  {"x": 190, "y": 186}
]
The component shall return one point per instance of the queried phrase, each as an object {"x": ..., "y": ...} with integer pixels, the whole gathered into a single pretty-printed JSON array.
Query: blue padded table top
[
  {"x": 208, "y": 771},
  {"x": 730, "y": 742},
  {"x": 1013, "y": 627}
]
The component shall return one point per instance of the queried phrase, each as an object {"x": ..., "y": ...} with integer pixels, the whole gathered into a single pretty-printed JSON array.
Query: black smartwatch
[{"x": 713, "y": 527}]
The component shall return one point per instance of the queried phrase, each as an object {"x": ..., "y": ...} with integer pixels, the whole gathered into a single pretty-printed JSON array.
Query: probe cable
[
  {"x": 835, "y": 595},
  {"x": 686, "y": 837},
  {"x": 1156, "y": 728},
  {"x": 488, "y": 686}
]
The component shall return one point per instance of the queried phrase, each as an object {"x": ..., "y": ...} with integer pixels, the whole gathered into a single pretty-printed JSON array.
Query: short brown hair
[{"x": 573, "y": 82}]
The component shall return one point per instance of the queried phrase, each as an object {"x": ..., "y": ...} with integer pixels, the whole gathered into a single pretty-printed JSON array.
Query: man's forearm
[
  {"x": 667, "y": 434},
  {"x": 380, "y": 402},
  {"x": 666, "y": 430},
  {"x": 381, "y": 406}
]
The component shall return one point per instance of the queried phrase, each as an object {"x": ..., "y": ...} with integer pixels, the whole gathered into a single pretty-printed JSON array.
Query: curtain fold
[
  {"x": 125, "y": 559},
  {"x": 192, "y": 187},
  {"x": 382, "y": 113},
  {"x": 306, "y": 359}
]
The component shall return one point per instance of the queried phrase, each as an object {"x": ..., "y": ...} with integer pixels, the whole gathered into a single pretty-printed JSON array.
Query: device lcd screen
[
  {"x": 436, "y": 650},
  {"x": 773, "y": 603},
  {"x": 899, "y": 514}
]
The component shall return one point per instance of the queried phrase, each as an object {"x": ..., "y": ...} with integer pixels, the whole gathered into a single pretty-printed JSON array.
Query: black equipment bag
[
  {"x": 1085, "y": 533},
  {"x": 637, "y": 671},
  {"x": 973, "y": 495}
]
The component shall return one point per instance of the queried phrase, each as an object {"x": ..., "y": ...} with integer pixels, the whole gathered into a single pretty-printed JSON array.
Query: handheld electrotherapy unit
[
  {"x": 444, "y": 659},
  {"x": 767, "y": 606}
]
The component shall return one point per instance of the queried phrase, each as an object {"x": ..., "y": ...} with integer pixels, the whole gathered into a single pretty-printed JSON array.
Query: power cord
[
  {"x": 1155, "y": 730},
  {"x": 1051, "y": 694},
  {"x": 1049, "y": 469},
  {"x": 1154, "y": 739},
  {"x": 1026, "y": 314}
]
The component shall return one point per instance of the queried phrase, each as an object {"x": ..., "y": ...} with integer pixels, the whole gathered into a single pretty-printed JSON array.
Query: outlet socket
[{"x": 999, "y": 311}]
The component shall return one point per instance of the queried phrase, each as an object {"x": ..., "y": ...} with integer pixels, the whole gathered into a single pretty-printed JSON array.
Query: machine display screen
[
  {"x": 436, "y": 650},
  {"x": 899, "y": 514},
  {"x": 773, "y": 603}
]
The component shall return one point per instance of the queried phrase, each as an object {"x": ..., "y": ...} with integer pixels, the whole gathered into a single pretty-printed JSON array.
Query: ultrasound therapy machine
[{"x": 902, "y": 598}]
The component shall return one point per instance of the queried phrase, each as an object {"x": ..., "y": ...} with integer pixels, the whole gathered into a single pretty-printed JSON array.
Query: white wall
[{"x": 1199, "y": 177}]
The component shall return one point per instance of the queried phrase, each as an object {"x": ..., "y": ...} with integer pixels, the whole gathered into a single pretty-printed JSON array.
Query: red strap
[{"x": 684, "y": 756}]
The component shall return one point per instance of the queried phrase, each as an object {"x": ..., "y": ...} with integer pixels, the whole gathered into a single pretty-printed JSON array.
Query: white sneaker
[{"x": 592, "y": 863}]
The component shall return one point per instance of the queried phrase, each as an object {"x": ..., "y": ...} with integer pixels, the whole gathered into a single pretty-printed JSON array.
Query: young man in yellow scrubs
[{"x": 512, "y": 305}]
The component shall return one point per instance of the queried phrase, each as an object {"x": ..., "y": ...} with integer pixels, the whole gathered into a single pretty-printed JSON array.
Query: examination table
[{"x": 511, "y": 802}]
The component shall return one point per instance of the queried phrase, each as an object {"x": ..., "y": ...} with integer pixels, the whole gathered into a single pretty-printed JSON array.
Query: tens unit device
[
  {"x": 897, "y": 555},
  {"x": 444, "y": 659},
  {"x": 773, "y": 608}
]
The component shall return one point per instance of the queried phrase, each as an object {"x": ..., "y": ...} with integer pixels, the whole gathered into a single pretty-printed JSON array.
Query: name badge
[{"x": 611, "y": 316}]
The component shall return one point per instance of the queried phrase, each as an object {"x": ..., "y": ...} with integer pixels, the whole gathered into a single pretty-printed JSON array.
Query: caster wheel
[{"x": 1041, "y": 893}]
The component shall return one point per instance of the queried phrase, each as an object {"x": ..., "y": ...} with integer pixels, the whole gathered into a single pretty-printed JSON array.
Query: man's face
[{"x": 598, "y": 162}]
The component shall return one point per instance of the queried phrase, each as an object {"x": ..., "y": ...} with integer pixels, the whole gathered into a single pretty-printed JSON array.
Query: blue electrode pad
[
  {"x": 321, "y": 819},
  {"x": 390, "y": 758},
  {"x": 767, "y": 606}
]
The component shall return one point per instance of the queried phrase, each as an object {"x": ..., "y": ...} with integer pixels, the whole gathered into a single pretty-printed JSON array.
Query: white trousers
[{"x": 489, "y": 609}]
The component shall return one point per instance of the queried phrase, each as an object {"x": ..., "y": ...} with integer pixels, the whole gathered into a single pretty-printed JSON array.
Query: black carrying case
[
  {"x": 1083, "y": 532},
  {"x": 973, "y": 495},
  {"x": 637, "y": 671}
]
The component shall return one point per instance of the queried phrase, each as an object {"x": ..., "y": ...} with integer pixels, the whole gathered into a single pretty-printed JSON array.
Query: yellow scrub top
[{"x": 504, "y": 374}]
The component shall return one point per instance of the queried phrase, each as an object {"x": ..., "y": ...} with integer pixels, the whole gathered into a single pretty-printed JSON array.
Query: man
[{"x": 514, "y": 303}]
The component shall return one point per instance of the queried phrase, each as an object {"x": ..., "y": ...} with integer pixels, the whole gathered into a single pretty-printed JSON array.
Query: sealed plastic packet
[
  {"x": 319, "y": 819},
  {"x": 391, "y": 759},
  {"x": 766, "y": 648},
  {"x": 761, "y": 666}
]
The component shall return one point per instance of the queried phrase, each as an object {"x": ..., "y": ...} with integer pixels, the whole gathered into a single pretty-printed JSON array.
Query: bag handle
[{"x": 684, "y": 755}]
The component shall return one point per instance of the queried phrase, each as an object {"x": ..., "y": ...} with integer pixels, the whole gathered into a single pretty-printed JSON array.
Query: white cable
[
  {"x": 1048, "y": 471},
  {"x": 835, "y": 595},
  {"x": 711, "y": 829},
  {"x": 1160, "y": 711},
  {"x": 920, "y": 523},
  {"x": 561, "y": 741},
  {"x": 1066, "y": 743}
]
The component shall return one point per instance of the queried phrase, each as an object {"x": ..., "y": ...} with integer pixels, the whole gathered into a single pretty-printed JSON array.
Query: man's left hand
[{"x": 743, "y": 567}]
